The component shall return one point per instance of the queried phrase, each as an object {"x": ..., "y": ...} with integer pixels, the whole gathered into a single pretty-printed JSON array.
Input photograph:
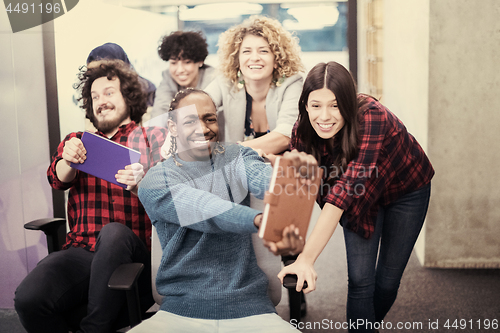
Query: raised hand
[
  {"x": 291, "y": 243},
  {"x": 305, "y": 165},
  {"x": 74, "y": 151}
]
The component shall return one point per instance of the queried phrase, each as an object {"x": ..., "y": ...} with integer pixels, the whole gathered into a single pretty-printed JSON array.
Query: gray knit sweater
[{"x": 208, "y": 268}]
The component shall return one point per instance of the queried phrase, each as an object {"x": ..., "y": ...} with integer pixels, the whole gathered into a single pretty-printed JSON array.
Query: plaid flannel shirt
[
  {"x": 389, "y": 164},
  {"x": 93, "y": 202}
]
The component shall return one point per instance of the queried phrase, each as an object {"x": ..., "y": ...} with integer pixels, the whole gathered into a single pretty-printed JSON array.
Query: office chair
[
  {"x": 125, "y": 276},
  {"x": 266, "y": 261}
]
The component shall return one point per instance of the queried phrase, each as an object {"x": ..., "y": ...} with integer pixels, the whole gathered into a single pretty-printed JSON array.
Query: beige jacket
[{"x": 281, "y": 107}]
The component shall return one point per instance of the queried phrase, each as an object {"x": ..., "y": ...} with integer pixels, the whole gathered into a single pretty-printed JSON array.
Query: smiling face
[
  {"x": 324, "y": 113},
  {"x": 110, "y": 109},
  {"x": 196, "y": 129},
  {"x": 256, "y": 59},
  {"x": 184, "y": 71}
]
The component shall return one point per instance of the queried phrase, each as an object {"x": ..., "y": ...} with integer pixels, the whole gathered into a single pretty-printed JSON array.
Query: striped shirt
[
  {"x": 93, "y": 202},
  {"x": 389, "y": 164}
]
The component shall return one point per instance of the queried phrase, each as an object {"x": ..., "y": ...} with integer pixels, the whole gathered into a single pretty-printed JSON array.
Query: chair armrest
[
  {"x": 45, "y": 225},
  {"x": 290, "y": 280},
  {"x": 125, "y": 278},
  {"x": 53, "y": 228}
]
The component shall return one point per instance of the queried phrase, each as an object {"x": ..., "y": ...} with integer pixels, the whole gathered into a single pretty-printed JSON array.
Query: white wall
[
  {"x": 406, "y": 71},
  {"x": 464, "y": 85},
  {"x": 441, "y": 78},
  {"x": 406, "y": 64},
  {"x": 24, "y": 190}
]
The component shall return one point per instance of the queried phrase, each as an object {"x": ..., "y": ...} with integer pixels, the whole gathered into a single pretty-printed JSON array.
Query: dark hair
[
  {"x": 338, "y": 80},
  {"x": 184, "y": 45},
  {"x": 130, "y": 87},
  {"x": 108, "y": 51}
]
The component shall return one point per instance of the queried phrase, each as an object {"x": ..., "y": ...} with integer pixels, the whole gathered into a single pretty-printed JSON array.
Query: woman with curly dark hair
[{"x": 185, "y": 52}]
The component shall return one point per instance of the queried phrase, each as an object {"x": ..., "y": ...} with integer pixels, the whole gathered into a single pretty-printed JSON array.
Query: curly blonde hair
[{"x": 283, "y": 44}]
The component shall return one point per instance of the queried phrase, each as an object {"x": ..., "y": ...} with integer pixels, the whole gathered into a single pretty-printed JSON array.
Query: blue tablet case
[{"x": 105, "y": 157}]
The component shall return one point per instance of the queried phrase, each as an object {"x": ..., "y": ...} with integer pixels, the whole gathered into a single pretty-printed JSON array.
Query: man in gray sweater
[{"x": 198, "y": 201}]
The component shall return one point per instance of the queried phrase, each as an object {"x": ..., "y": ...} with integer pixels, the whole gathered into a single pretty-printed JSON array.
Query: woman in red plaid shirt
[{"x": 376, "y": 184}]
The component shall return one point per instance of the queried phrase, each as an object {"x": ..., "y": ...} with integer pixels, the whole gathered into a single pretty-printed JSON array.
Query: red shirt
[
  {"x": 93, "y": 202},
  {"x": 389, "y": 164}
]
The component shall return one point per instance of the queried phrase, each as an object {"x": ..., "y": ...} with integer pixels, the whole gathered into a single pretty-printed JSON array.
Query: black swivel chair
[{"x": 125, "y": 278}]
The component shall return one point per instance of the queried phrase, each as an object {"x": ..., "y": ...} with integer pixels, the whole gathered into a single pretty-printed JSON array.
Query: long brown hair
[{"x": 338, "y": 80}]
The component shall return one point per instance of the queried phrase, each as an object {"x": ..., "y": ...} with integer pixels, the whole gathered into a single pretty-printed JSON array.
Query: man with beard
[{"x": 108, "y": 225}]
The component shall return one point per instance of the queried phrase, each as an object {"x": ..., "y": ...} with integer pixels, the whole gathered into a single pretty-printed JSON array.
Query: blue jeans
[
  {"x": 374, "y": 283},
  {"x": 68, "y": 279}
]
